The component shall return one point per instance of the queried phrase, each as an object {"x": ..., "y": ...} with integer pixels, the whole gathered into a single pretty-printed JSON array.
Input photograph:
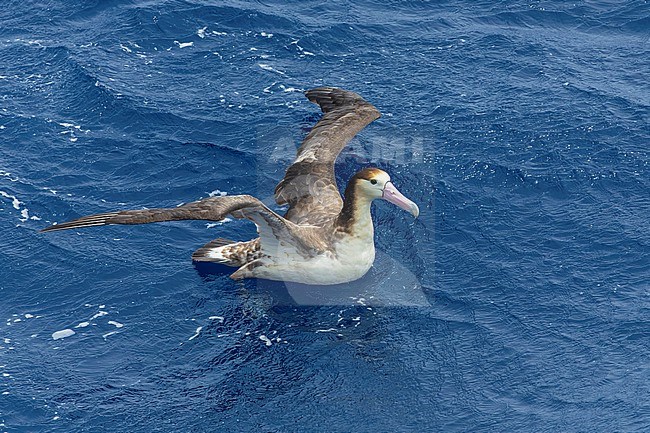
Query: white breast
[{"x": 353, "y": 258}]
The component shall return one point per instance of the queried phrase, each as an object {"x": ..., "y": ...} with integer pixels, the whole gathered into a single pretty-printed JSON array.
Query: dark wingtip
[
  {"x": 51, "y": 228},
  {"x": 330, "y": 98},
  {"x": 79, "y": 223}
]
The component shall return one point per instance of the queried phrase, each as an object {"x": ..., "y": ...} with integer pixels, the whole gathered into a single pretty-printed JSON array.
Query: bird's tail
[{"x": 227, "y": 252}]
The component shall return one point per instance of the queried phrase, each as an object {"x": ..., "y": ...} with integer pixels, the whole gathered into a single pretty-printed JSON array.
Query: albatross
[{"x": 321, "y": 239}]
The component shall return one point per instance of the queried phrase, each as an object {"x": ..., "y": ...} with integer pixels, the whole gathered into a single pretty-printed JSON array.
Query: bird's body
[
  {"x": 321, "y": 239},
  {"x": 342, "y": 257},
  {"x": 327, "y": 267}
]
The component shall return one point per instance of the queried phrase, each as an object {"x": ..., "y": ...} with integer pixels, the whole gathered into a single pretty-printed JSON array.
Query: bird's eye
[{"x": 373, "y": 181}]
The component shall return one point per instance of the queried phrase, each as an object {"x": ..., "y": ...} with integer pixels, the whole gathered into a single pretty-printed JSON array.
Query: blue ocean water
[{"x": 518, "y": 301}]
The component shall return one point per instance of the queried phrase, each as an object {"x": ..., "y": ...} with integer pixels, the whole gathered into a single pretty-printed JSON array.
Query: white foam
[
  {"x": 217, "y": 193},
  {"x": 99, "y": 314},
  {"x": 24, "y": 213},
  {"x": 62, "y": 334},
  {"x": 82, "y": 325},
  {"x": 201, "y": 32},
  {"x": 218, "y": 223},
  {"x": 214, "y": 32},
  {"x": 69, "y": 125},
  {"x": 8, "y": 176},
  {"x": 184, "y": 44},
  {"x": 270, "y": 68},
  {"x": 266, "y": 35},
  {"x": 327, "y": 330},
  {"x": 301, "y": 49},
  {"x": 266, "y": 340},
  {"x": 116, "y": 324},
  {"x": 196, "y": 333},
  {"x": 14, "y": 201},
  {"x": 219, "y": 318}
]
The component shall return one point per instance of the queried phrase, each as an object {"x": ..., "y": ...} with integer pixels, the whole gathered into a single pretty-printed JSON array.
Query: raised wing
[
  {"x": 309, "y": 186},
  {"x": 275, "y": 231}
]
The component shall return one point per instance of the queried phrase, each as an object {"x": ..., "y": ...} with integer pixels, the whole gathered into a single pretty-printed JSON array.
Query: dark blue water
[{"x": 519, "y": 301}]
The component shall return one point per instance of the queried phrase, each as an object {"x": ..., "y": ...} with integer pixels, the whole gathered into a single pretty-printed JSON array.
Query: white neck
[
  {"x": 355, "y": 218},
  {"x": 362, "y": 226}
]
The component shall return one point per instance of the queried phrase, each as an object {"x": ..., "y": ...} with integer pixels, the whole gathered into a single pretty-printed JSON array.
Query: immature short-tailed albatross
[{"x": 321, "y": 239}]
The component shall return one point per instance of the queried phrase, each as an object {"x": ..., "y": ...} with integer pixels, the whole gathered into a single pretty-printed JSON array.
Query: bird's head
[{"x": 373, "y": 183}]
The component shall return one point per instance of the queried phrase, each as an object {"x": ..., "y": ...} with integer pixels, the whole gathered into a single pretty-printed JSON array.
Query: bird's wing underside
[{"x": 275, "y": 231}]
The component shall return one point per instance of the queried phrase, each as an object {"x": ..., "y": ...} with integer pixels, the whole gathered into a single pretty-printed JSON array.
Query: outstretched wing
[
  {"x": 309, "y": 186},
  {"x": 272, "y": 228}
]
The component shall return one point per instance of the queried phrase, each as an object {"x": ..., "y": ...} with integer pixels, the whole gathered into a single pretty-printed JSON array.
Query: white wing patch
[{"x": 270, "y": 242}]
